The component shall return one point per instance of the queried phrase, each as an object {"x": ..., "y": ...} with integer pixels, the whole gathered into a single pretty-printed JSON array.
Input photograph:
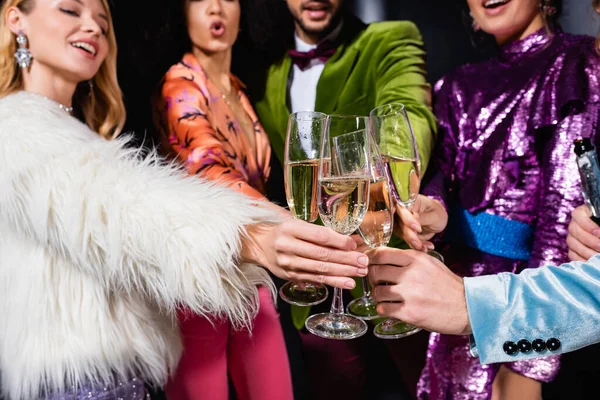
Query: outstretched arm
[
  {"x": 132, "y": 224},
  {"x": 546, "y": 303}
]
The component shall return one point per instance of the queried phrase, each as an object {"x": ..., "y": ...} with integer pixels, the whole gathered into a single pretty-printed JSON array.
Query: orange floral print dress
[{"x": 198, "y": 127}]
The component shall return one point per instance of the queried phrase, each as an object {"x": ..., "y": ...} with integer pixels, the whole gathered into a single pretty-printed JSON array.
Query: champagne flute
[
  {"x": 302, "y": 146},
  {"x": 376, "y": 228},
  {"x": 344, "y": 179},
  {"x": 393, "y": 133}
]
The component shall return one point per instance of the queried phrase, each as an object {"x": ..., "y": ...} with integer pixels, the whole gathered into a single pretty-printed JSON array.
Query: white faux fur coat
[{"x": 97, "y": 249}]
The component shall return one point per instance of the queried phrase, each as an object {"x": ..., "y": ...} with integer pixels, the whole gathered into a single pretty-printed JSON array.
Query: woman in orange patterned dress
[{"x": 206, "y": 121}]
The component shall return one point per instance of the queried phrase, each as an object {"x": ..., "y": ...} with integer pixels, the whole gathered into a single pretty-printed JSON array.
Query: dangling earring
[
  {"x": 548, "y": 8},
  {"x": 23, "y": 55},
  {"x": 91, "y": 86},
  {"x": 474, "y": 24}
]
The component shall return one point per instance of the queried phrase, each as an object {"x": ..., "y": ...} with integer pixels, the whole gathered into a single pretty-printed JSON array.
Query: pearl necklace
[{"x": 68, "y": 110}]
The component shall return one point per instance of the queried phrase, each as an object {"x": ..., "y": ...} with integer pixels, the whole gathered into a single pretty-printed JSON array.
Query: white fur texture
[{"x": 97, "y": 249}]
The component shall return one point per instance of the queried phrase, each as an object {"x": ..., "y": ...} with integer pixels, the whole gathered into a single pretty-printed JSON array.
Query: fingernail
[
  {"x": 350, "y": 284},
  {"x": 353, "y": 246},
  {"x": 416, "y": 227},
  {"x": 363, "y": 271},
  {"x": 596, "y": 232},
  {"x": 363, "y": 260},
  {"x": 430, "y": 246}
]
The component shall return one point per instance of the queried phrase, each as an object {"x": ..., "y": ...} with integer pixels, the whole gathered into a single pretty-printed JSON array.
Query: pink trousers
[{"x": 257, "y": 364}]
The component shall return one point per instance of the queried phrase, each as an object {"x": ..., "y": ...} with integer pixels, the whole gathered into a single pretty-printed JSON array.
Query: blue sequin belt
[{"x": 490, "y": 233}]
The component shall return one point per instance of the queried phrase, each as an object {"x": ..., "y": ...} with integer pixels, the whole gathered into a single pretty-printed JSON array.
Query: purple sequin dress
[
  {"x": 120, "y": 389},
  {"x": 504, "y": 168}
]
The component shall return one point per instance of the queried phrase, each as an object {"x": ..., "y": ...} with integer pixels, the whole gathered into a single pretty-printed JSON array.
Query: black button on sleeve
[
  {"x": 538, "y": 345},
  {"x": 553, "y": 344},
  {"x": 510, "y": 348},
  {"x": 524, "y": 346}
]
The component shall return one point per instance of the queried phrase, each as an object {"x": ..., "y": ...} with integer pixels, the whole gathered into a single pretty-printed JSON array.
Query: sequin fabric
[
  {"x": 507, "y": 127},
  {"x": 131, "y": 389}
]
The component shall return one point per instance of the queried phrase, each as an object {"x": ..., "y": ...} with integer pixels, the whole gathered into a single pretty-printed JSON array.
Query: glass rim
[
  {"x": 307, "y": 115},
  {"x": 365, "y": 130},
  {"x": 393, "y": 111},
  {"x": 347, "y": 116}
]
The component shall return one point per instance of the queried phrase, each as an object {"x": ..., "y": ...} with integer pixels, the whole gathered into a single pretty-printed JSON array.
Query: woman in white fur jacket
[{"x": 99, "y": 246}]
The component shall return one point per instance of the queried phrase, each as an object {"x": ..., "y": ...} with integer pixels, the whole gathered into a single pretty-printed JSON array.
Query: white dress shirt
[
  {"x": 303, "y": 88},
  {"x": 303, "y": 91}
]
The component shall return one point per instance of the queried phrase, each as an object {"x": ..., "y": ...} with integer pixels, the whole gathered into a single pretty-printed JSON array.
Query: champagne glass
[
  {"x": 302, "y": 146},
  {"x": 393, "y": 133},
  {"x": 376, "y": 228},
  {"x": 343, "y": 188}
]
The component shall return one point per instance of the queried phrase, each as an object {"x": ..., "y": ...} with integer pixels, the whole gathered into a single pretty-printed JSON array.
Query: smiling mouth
[
  {"x": 491, "y": 4},
  {"x": 316, "y": 6},
  {"x": 85, "y": 47}
]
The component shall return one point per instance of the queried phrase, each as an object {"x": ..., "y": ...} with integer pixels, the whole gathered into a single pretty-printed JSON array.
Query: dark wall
[
  {"x": 441, "y": 22},
  {"x": 148, "y": 45}
]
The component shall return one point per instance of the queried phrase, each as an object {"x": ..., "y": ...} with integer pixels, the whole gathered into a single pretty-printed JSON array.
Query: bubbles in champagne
[
  {"x": 377, "y": 225},
  {"x": 343, "y": 202},
  {"x": 301, "y": 189}
]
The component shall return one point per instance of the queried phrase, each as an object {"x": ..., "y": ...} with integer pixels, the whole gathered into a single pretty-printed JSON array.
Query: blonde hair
[{"x": 98, "y": 102}]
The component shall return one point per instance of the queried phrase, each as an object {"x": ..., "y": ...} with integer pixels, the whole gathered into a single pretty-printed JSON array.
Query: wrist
[
  {"x": 441, "y": 215},
  {"x": 465, "y": 323},
  {"x": 253, "y": 250}
]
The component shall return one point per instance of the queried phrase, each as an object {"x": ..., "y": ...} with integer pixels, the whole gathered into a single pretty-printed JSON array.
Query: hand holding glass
[
  {"x": 376, "y": 228},
  {"x": 393, "y": 133},
  {"x": 343, "y": 188},
  {"x": 303, "y": 138}
]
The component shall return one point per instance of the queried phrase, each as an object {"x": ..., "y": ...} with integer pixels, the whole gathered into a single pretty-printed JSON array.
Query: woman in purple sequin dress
[{"x": 505, "y": 171}]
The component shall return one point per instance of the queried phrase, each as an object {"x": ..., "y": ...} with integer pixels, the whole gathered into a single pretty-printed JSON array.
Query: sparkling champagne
[
  {"x": 343, "y": 202},
  {"x": 301, "y": 189},
  {"x": 403, "y": 174},
  {"x": 377, "y": 225}
]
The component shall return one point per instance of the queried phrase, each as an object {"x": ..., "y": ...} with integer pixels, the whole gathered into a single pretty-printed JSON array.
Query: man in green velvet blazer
[{"x": 372, "y": 65}]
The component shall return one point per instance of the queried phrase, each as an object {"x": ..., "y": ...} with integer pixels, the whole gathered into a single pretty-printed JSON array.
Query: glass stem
[
  {"x": 337, "y": 305},
  {"x": 366, "y": 287}
]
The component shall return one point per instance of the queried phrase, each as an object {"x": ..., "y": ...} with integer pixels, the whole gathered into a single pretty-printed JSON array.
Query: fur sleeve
[{"x": 129, "y": 222}]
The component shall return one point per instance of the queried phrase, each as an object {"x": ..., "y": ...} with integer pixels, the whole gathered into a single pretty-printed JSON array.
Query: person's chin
[
  {"x": 78, "y": 73},
  {"x": 498, "y": 25},
  {"x": 317, "y": 26},
  {"x": 217, "y": 46},
  {"x": 84, "y": 76},
  {"x": 499, "y": 30}
]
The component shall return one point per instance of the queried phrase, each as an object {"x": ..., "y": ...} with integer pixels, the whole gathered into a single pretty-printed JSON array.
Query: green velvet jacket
[{"x": 373, "y": 65}]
